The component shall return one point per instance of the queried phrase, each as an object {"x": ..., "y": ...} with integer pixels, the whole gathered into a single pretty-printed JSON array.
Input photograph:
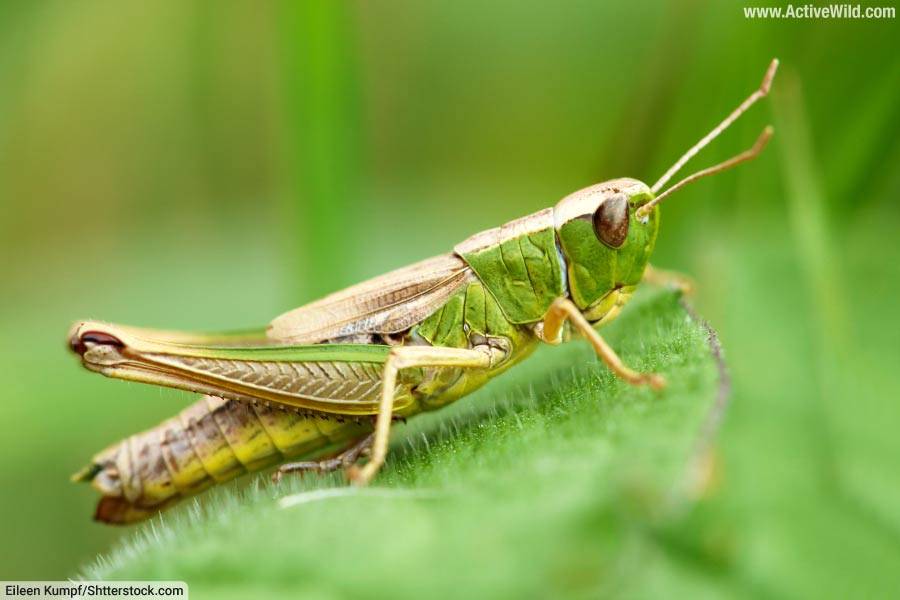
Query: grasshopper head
[
  {"x": 605, "y": 242},
  {"x": 607, "y": 231}
]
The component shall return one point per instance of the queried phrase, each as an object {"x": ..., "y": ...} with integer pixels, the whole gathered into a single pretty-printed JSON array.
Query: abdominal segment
[{"x": 211, "y": 441}]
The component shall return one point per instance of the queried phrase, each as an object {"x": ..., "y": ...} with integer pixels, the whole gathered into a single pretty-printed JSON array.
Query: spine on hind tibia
[{"x": 211, "y": 441}]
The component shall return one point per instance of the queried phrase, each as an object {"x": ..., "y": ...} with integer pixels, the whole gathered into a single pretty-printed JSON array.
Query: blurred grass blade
[
  {"x": 834, "y": 351},
  {"x": 321, "y": 145}
]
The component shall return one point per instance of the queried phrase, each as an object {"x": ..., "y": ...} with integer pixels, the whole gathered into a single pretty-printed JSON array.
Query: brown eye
[{"x": 611, "y": 221}]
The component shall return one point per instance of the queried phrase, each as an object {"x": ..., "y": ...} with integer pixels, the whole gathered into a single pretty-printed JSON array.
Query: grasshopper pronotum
[{"x": 331, "y": 375}]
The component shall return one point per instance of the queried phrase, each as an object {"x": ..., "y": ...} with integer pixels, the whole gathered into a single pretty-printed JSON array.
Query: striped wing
[{"x": 387, "y": 304}]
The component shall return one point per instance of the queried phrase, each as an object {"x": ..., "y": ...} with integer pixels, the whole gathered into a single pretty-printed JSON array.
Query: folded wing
[{"x": 387, "y": 304}]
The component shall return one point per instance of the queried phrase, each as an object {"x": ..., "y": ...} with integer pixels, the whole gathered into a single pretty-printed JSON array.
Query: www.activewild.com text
[{"x": 812, "y": 11}]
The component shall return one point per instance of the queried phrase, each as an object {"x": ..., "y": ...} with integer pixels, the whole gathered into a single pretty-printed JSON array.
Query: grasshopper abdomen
[{"x": 209, "y": 442}]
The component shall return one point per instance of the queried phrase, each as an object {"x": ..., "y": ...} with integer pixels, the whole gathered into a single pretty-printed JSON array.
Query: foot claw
[
  {"x": 360, "y": 476},
  {"x": 683, "y": 284},
  {"x": 354, "y": 475},
  {"x": 657, "y": 382}
]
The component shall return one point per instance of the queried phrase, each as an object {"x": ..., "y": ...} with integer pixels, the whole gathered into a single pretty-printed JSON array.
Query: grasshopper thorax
[{"x": 604, "y": 242}]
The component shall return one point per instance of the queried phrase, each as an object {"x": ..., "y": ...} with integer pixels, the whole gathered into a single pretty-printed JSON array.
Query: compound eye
[{"x": 611, "y": 221}]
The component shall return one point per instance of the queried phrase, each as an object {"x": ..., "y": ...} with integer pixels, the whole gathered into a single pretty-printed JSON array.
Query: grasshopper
[{"x": 328, "y": 379}]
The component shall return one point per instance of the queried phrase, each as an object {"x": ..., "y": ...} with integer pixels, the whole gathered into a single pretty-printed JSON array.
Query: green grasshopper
[{"x": 328, "y": 378}]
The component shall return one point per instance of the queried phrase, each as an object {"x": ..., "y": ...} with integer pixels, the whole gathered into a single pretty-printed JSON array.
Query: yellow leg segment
[
  {"x": 563, "y": 310},
  {"x": 406, "y": 357},
  {"x": 671, "y": 279}
]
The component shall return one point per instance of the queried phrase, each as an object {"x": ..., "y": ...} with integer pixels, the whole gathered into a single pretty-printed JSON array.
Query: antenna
[
  {"x": 741, "y": 109},
  {"x": 744, "y": 156}
]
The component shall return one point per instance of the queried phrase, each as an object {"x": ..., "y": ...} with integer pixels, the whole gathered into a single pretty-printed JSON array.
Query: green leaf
[{"x": 557, "y": 478}]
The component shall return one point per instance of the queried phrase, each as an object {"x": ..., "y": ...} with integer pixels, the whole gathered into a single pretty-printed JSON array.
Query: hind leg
[{"x": 406, "y": 357}]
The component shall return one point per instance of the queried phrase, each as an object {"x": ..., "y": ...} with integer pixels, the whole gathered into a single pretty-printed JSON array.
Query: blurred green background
[{"x": 210, "y": 165}]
